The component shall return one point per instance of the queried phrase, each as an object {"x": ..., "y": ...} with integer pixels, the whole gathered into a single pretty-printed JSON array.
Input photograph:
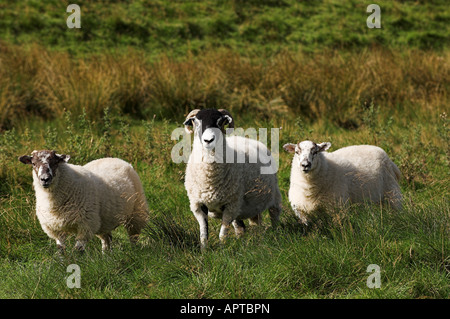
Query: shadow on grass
[{"x": 164, "y": 228}]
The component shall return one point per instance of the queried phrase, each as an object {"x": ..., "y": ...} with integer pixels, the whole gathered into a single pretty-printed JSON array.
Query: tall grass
[
  {"x": 329, "y": 85},
  {"x": 327, "y": 260}
]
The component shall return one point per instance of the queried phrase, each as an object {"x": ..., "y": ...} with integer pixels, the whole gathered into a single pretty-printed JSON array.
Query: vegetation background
[{"x": 119, "y": 86}]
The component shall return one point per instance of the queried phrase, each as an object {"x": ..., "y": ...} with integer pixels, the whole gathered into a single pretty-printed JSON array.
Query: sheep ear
[
  {"x": 63, "y": 157},
  {"x": 189, "y": 123},
  {"x": 189, "y": 120},
  {"x": 26, "y": 159},
  {"x": 323, "y": 146},
  {"x": 226, "y": 120},
  {"x": 230, "y": 128},
  {"x": 227, "y": 116},
  {"x": 289, "y": 147}
]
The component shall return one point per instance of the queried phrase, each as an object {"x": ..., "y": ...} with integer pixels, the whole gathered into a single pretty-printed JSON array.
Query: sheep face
[
  {"x": 306, "y": 153},
  {"x": 209, "y": 126},
  {"x": 45, "y": 164}
]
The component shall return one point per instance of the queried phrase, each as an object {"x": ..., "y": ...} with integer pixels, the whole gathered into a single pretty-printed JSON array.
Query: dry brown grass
[{"x": 333, "y": 85}]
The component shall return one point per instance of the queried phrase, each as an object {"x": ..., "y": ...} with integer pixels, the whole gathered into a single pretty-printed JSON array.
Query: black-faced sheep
[{"x": 228, "y": 178}]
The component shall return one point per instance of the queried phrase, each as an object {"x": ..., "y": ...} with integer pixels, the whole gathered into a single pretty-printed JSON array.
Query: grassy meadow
[{"x": 123, "y": 82}]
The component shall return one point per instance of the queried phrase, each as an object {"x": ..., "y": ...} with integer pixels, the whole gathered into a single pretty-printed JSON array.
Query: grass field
[
  {"x": 248, "y": 27},
  {"x": 120, "y": 89}
]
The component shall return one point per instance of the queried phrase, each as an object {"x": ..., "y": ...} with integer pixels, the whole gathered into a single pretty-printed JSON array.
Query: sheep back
[
  {"x": 119, "y": 191},
  {"x": 370, "y": 173}
]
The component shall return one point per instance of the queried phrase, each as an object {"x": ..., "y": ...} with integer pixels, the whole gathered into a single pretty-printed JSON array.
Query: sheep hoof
[
  {"x": 79, "y": 246},
  {"x": 105, "y": 251},
  {"x": 61, "y": 249},
  {"x": 239, "y": 228},
  {"x": 61, "y": 253},
  {"x": 222, "y": 239},
  {"x": 203, "y": 244}
]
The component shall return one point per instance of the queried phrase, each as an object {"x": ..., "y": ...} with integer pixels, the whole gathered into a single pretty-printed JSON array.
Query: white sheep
[
  {"x": 86, "y": 200},
  {"x": 353, "y": 174},
  {"x": 228, "y": 178}
]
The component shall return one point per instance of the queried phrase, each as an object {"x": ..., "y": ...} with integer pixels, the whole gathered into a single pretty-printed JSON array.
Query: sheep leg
[
  {"x": 84, "y": 234},
  {"x": 226, "y": 221},
  {"x": 133, "y": 231},
  {"x": 223, "y": 231},
  {"x": 59, "y": 237},
  {"x": 302, "y": 216},
  {"x": 256, "y": 220},
  {"x": 80, "y": 245},
  {"x": 135, "y": 223},
  {"x": 394, "y": 199},
  {"x": 274, "y": 213},
  {"x": 106, "y": 241},
  {"x": 201, "y": 214},
  {"x": 227, "y": 218},
  {"x": 61, "y": 244},
  {"x": 239, "y": 227}
]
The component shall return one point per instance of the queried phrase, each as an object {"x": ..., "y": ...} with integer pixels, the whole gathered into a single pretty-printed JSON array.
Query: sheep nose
[
  {"x": 45, "y": 179},
  {"x": 209, "y": 141},
  {"x": 306, "y": 165}
]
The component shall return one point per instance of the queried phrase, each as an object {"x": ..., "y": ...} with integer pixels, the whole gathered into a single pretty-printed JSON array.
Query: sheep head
[
  {"x": 306, "y": 153},
  {"x": 45, "y": 164},
  {"x": 208, "y": 125}
]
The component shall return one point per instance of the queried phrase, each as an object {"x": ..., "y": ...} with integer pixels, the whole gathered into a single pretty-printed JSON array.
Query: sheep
[
  {"x": 353, "y": 174},
  {"x": 86, "y": 200},
  {"x": 220, "y": 188}
]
